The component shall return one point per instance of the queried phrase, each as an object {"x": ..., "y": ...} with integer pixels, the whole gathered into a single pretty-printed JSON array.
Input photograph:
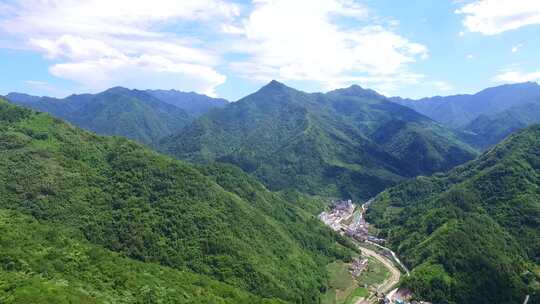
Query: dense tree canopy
[
  {"x": 473, "y": 234},
  {"x": 110, "y": 195},
  {"x": 144, "y": 116},
  {"x": 347, "y": 143}
]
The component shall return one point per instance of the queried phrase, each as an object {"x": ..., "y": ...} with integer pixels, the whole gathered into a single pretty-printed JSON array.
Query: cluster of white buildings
[
  {"x": 339, "y": 212},
  {"x": 343, "y": 219},
  {"x": 399, "y": 296}
]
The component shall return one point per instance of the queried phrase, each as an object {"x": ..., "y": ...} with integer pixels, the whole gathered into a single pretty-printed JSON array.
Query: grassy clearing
[
  {"x": 359, "y": 292},
  {"x": 343, "y": 288},
  {"x": 329, "y": 297},
  {"x": 375, "y": 274},
  {"x": 339, "y": 276},
  {"x": 340, "y": 282}
]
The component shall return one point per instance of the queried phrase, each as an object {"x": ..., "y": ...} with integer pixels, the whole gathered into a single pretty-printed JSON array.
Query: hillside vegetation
[
  {"x": 144, "y": 116},
  {"x": 346, "y": 143},
  {"x": 44, "y": 263},
  {"x": 472, "y": 234},
  {"x": 483, "y": 119},
  {"x": 487, "y": 130},
  {"x": 112, "y": 201}
]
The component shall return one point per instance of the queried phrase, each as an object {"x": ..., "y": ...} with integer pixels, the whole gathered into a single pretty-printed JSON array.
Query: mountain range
[
  {"x": 487, "y": 117},
  {"x": 144, "y": 116},
  {"x": 459, "y": 110},
  {"x": 91, "y": 219},
  {"x": 480, "y": 120},
  {"x": 347, "y": 143}
]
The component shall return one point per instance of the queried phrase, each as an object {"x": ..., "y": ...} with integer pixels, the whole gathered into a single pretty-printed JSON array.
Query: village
[
  {"x": 344, "y": 218},
  {"x": 348, "y": 219}
]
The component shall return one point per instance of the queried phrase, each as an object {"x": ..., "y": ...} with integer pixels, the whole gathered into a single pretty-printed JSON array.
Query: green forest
[
  {"x": 108, "y": 220},
  {"x": 472, "y": 234},
  {"x": 346, "y": 143},
  {"x": 228, "y": 214}
]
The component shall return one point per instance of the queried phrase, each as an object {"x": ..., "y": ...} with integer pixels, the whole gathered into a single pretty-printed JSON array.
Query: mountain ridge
[
  {"x": 287, "y": 137},
  {"x": 142, "y": 115},
  {"x": 457, "y": 110}
]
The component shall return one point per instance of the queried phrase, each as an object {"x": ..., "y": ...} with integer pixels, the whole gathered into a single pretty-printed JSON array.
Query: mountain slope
[
  {"x": 43, "y": 263},
  {"x": 144, "y": 206},
  {"x": 144, "y": 116},
  {"x": 472, "y": 234},
  {"x": 459, "y": 110},
  {"x": 487, "y": 130},
  {"x": 350, "y": 142}
]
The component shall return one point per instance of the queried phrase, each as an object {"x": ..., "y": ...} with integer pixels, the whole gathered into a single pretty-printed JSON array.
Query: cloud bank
[
  {"x": 491, "y": 17},
  {"x": 196, "y": 44}
]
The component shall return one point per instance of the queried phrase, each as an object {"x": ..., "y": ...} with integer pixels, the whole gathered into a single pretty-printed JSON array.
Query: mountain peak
[
  {"x": 274, "y": 85},
  {"x": 357, "y": 91},
  {"x": 22, "y": 97},
  {"x": 117, "y": 89}
]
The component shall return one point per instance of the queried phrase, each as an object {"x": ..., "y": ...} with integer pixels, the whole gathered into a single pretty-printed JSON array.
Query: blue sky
[{"x": 226, "y": 48}]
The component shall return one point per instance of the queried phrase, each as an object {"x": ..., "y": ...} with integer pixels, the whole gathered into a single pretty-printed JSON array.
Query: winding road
[{"x": 394, "y": 256}]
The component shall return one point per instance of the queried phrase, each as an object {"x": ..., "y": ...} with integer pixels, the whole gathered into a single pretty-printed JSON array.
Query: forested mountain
[
  {"x": 459, "y": 110},
  {"x": 472, "y": 234},
  {"x": 487, "y": 130},
  {"x": 90, "y": 219},
  {"x": 144, "y": 116},
  {"x": 349, "y": 143}
]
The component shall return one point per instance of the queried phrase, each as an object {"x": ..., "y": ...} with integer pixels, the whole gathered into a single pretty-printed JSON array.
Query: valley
[
  {"x": 346, "y": 218},
  {"x": 258, "y": 172},
  {"x": 269, "y": 152}
]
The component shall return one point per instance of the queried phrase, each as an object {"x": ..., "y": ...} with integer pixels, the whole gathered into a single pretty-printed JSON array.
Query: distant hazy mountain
[
  {"x": 488, "y": 130},
  {"x": 459, "y": 110},
  {"x": 472, "y": 235},
  {"x": 349, "y": 142},
  {"x": 145, "y": 116},
  {"x": 194, "y": 104}
]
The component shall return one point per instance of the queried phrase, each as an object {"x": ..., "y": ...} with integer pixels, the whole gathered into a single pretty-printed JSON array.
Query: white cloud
[
  {"x": 157, "y": 72},
  {"x": 231, "y": 29},
  {"x": 36, "y": 83},
  {"x": 139, "y": 43},
  {"x": 121, "y": 42},
  {"x": 470, "y": 56},
  {"x": 43, "y": 87},
  {"x": 509, "y": 76},
  {"x": 119, "y": 17},
  {"x": 74, "y": 48},
  {"x": 491, "y": 17},
  {"x": 516, "y": 48},
  {"x": 309, "y": 43}
]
